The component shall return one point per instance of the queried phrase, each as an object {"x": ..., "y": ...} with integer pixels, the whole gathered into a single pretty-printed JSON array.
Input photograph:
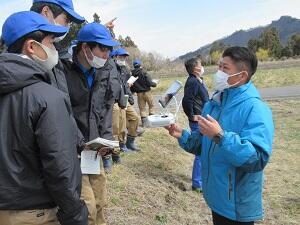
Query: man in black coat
[
  {"x": 125, "y": 118},
  {"x": 142, "y": 86},
  {"x": 38, "y": 134},
  {"x": 62, "y": 13},
  {"x": 195, "y": 96},
  {"x": 89, "y": 83}
]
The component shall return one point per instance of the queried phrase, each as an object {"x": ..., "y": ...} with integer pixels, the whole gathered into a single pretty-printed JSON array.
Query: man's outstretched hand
[
  {"x": 110, "y": 24},
  {"x": 175, "y": 130}
]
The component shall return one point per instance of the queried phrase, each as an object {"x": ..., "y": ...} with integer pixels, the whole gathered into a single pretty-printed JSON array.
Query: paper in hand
[
  {"x": 101, "y": 142},
  {"x": 132, "y": 79},
  {"x": 90, "y": 162}
]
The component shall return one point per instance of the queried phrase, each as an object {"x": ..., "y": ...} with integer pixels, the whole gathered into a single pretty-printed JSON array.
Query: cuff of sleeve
[
  {"x": 80, "y": 146},
  {"x": 184, "y": 137},
  {"x": 191, "y": 118},
  {"x": 226, "y": 140}
]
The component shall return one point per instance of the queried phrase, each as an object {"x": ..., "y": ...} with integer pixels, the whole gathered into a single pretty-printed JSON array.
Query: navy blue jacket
[{"x": 195, "y": 96}]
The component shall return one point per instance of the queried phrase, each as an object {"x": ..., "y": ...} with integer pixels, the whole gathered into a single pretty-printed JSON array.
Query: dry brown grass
[{"x": 154, "y": 187}]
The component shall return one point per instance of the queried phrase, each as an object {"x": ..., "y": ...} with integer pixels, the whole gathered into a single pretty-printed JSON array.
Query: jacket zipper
[
  {"x": 229, "y": 185},
  {"x": 91, "y": 92},
  {"x": 214, "y": 146}
]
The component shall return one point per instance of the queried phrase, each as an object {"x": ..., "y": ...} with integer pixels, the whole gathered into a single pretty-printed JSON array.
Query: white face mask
[
  {"x": 201, "y": 70},
  {"x": 220, "y": 80},
  {"x": 121, "y": 62},
  {"x": 97, "y": 62},
  {"x": 58, "y": 39},
  {"x": 52, "y": 57}
]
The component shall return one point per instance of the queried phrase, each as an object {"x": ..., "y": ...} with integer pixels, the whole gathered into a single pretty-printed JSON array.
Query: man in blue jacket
[
  {"x": 235, "y": 141},
  {"x": 195, "y": 96}
]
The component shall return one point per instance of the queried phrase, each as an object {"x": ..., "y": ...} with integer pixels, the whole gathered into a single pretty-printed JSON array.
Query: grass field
[
  {"x": 154, "y": 186},
  {"x": 278, "y": 77}
]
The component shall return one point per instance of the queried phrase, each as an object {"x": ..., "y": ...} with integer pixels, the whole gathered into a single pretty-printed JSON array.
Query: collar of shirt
[
  {"x": 198, "y": 78},
  {"x": 89, "y": 74}
]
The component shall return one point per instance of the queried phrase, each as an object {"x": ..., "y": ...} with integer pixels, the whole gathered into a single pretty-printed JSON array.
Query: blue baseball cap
[
  {"x": 137, "y": 62},
  {"x": 96, "y": 32},
  {"x": 121, "y": 51},
  {"x": 112, "y": 53},
  {"x": 20, "y": 24},
  {"x": 66, "y": 5}
]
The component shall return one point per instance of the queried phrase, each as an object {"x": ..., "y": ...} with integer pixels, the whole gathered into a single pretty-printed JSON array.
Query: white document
[
  {"x": 90, "y": 164},
  {"x": 155, "y": 81},
  {"x": 101, "y": 142},
  {"x": 132, "y": 79}
]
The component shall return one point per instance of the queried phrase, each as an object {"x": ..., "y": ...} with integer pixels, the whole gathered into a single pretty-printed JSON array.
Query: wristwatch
[{"x": 217, "y": 138}]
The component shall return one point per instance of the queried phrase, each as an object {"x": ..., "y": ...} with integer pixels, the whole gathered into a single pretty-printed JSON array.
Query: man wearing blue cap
[
  {"x": 129, "y": 115},
  {"x": 61, "y": 13},
  {"x": 58, "y": 12},
  {"x": 37, "y": 141},
  {"x": 142, "y": 86},
  {"x": 92, "y": 97}
]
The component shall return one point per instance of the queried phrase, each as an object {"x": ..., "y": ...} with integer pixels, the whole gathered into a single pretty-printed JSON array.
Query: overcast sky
[{"x": 175, "y": 27}]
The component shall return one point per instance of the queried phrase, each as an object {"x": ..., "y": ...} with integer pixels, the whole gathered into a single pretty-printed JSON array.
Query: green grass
[
  {"x": 262, "y": 79},
  {"x": 154, "y": 186}
]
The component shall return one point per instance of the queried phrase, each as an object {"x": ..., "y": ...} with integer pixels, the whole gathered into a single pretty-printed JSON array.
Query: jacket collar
[{"x": 233, "y": 96}]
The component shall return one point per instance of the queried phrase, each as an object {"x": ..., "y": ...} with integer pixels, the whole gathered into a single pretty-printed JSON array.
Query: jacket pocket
[{"x": 229, "y": 185}]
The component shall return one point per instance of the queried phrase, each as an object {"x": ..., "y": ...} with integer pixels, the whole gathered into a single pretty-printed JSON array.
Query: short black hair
[
  {"x": 17, "y": 46},
  {"x": 91, "y": 45},
  {"x": 190, "y": 64},
  {"x": 2, "y": 45},
  {"x": 55, "y": 9},
  {"x": 243, "y": 57}
]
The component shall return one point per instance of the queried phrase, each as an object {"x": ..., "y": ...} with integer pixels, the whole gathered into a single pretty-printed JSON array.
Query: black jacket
[
  {"x": 195, "y": 96},
  {"x": 110, "y": 72},
  {"x": 39, "y": 167},
  {"x": 116, "y": 82},
  {"x": 92, "y": 108},
  {"x": 143, "y": 83},
  {"x": 58, "y": 80},
  {"x": 124, "y": 76}
]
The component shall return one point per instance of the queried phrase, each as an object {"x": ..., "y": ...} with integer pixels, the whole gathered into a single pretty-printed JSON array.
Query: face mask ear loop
[{"x": 233, "y": 76}]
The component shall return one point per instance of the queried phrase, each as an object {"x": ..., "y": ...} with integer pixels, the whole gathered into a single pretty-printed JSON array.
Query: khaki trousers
[
  {"x": 143, "y": 99},
  {"x": 94, "y": 194},
  {"x": 29, "y": 217},
  {"x": 119, "y": 123},
  {"x": 132, "y": 121}
]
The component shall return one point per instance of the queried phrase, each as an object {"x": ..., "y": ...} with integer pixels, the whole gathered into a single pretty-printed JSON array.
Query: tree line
[{"x": 266, "y": 47}]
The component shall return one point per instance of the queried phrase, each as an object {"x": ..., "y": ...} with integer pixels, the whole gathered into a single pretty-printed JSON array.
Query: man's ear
[
  {"x": 28, "y": 48},
  {"x": 46, "y": 11},
  {"x": 245, "y": 76},
  {"x": 87, "y": 51}
]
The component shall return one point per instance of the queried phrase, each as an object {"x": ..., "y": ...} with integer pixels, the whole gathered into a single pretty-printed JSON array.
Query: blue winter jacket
[{"x": 232, "y": 171}]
